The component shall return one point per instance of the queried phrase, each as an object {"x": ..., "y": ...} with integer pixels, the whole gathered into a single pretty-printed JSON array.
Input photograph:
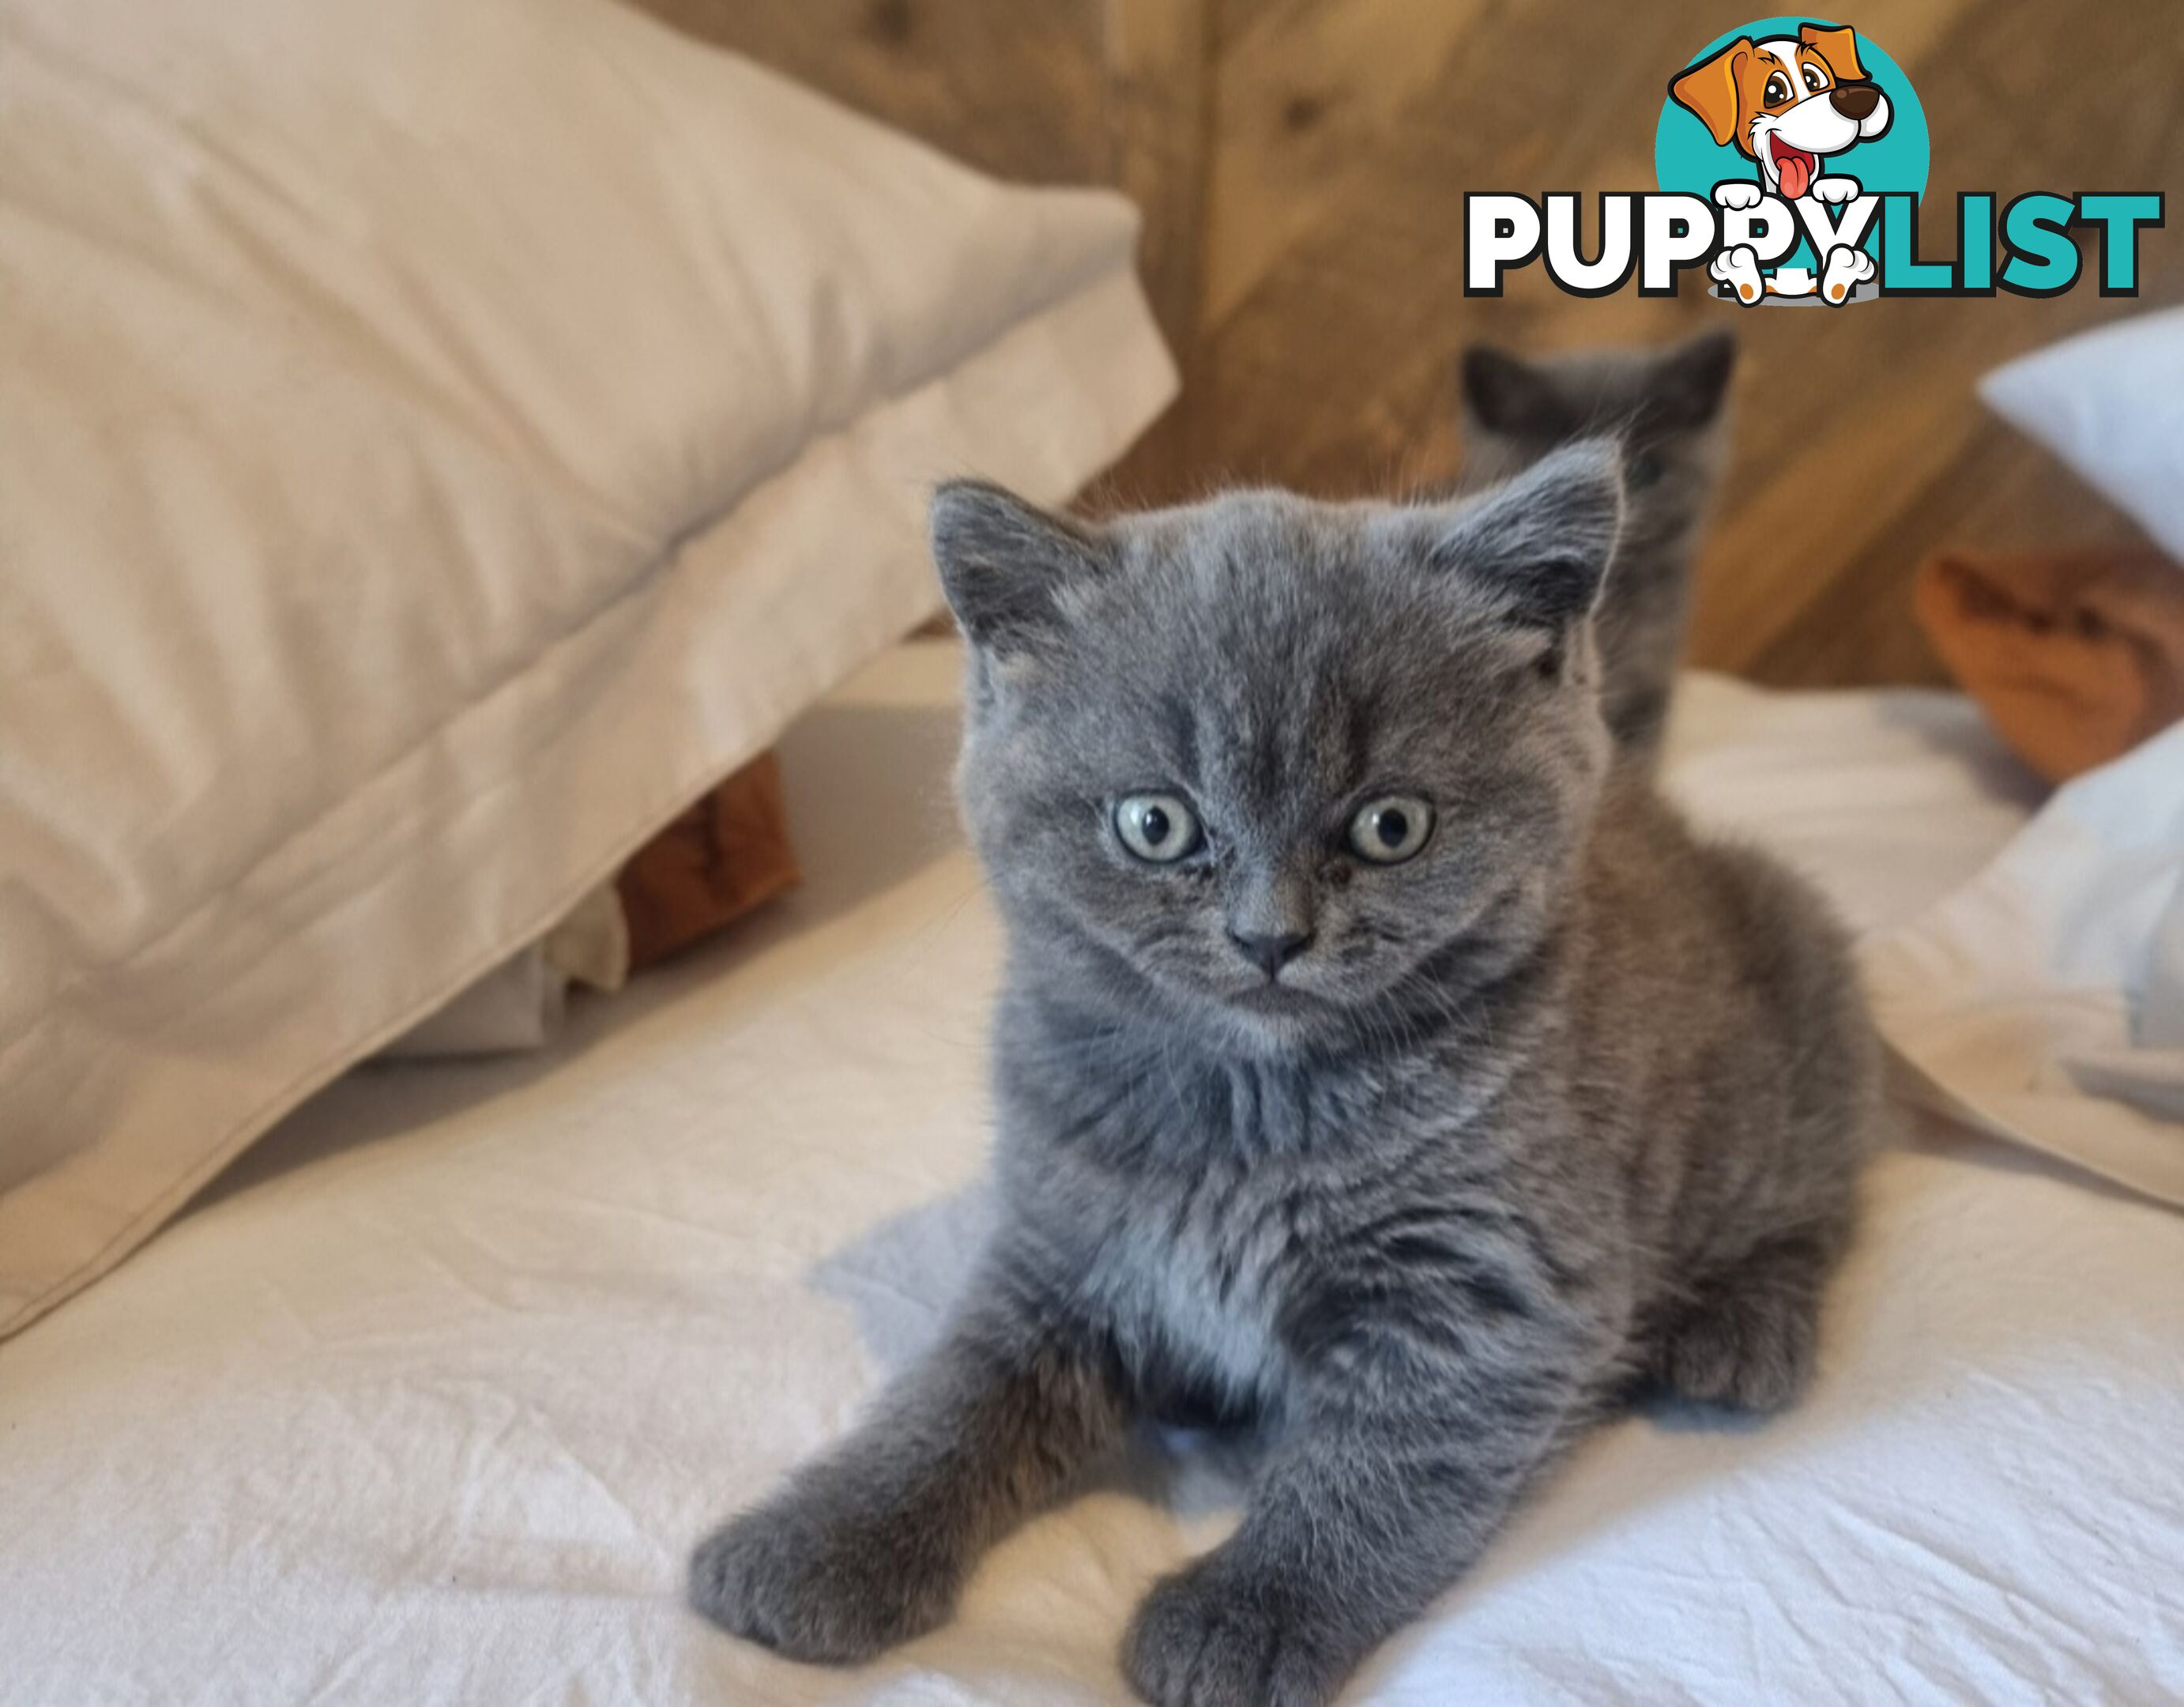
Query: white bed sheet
[{"x": 427, "y": 1401}]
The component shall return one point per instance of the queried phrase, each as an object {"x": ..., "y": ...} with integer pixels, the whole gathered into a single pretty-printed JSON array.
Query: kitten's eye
[
  {"x": 1156, "y": 828},
  {"x": 1391, "y": 829}
]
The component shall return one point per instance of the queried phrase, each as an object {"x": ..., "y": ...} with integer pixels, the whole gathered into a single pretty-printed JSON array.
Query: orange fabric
[
  {"x": 710, "y": 867},
  {"x": 2075, "y": 656}
]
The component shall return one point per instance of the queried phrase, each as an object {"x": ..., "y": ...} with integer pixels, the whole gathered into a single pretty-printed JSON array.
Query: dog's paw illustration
[
  {"x": 1205, "y": 1637},
  {"x": 1846, "y": 269},
  {"x": 1837, "y": 189},
  {"x": 1737, "y": 192},
  {"x": 818, "y": 1586},
  {"x": 1739, "y": 268}
]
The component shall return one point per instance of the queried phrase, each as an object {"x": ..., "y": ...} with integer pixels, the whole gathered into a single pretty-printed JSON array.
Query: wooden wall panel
[
  {"x": 1302, "y": 163},
  {"x": 1161, "y": 89}
]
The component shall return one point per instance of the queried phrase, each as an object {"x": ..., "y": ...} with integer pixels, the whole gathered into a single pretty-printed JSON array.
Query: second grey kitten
[
  {"x": 1374, "y": 1059},
  {"x": 1668, "y": 411}
]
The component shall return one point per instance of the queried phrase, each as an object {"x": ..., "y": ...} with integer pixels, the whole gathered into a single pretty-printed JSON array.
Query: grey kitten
[
  {"x": 1374, "y": 1060},
  {"x": 1666, "y": 405}
]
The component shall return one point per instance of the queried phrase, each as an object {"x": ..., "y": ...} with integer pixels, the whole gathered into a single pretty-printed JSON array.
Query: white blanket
[
  {"x": 2044, "y": 1001},
  {"x": 428, "y": 1402}
]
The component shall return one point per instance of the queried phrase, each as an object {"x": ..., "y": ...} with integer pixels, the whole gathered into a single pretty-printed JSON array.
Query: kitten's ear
[
  {"x": 1689, "y": 382},
  {"x": 1004, "y": 563},
  {"x": 1540, "y": 542},
  {"x": 1506, "y": 394}
]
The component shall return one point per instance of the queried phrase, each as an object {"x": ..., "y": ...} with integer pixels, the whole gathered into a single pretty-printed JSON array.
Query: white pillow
[
  {"x": 2110, "y": 404},
  {"x": 439, "y": 441}
]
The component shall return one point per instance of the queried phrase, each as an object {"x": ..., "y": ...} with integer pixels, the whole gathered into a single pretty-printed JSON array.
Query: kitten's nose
[{"x": 1273, "y": 951}]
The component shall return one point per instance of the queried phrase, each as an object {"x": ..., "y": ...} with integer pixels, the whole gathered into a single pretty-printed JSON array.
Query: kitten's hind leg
[
  {"x": 869, "y": 1545},
  {"x": 1748, "y": 1336}
]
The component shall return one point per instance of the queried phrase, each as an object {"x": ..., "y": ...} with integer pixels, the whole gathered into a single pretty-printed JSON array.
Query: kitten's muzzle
[{"x": 1270, "y": 950}]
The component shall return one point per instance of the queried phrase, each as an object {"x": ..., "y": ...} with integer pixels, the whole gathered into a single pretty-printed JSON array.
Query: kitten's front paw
[
  {"x": 1204, "y": 1638},
  {"x": 818, "y": 1586}
]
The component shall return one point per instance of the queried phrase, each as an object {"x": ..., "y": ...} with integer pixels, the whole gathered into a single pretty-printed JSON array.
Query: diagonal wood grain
[{"x": 1160, "y": 89}]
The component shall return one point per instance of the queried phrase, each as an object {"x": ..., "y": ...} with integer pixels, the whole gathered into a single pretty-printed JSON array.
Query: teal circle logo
[{"x": 1798, "y": 110}]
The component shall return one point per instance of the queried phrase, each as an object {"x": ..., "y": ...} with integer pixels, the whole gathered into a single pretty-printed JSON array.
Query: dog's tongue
[{"x": 1797, "y": 169}]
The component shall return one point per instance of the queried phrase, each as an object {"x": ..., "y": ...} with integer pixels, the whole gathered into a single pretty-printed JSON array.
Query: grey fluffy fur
[
  {"x": 1571, "y": 1102},
  {"x": 1668, "y": 408}
]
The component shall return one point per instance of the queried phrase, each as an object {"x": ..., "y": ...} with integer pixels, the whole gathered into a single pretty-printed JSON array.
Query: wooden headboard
[{"x": 1301, "y": 165}]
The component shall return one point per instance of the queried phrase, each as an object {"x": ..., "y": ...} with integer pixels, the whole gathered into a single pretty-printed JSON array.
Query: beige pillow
[{"x": 439, "y": 442}]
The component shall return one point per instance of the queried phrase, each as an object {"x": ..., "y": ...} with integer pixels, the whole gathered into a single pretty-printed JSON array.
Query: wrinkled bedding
[{"x": 425, "y": 1402}]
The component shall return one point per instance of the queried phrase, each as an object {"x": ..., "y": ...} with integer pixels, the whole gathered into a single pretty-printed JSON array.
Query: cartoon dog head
[{"x": 1787, "y": 102}]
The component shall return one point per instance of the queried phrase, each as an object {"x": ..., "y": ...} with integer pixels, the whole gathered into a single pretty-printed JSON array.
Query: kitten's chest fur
[
  {"x": 1190, "y": 1277},
  {"x": 1192, "y": 1206}
]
